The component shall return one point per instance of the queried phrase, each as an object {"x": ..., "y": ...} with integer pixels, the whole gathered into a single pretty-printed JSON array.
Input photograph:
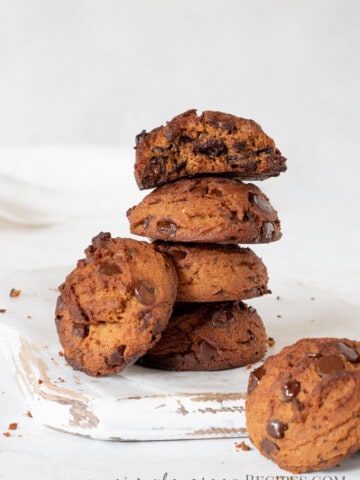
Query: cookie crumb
[
  {"x": 2, "y": 310},
  {"x": 60, "y": 354},
  {"x": 270, "y": 342},
  {"x": 14, "y": 293},
  {"x": 13, "y": 426},
  {"x": 312, "y": 298},
  {"x": 29, "y": 414},
  {"x": 40, "y": 381},
  {"x": 249, "y": 366},
  {"x": 28, "y": 316},
  {"x": 242, "y": 446},
  {"x": 278, "y": 297},
  {"x": 279, "y": 316},
  {"x": 6, "y": 434}
]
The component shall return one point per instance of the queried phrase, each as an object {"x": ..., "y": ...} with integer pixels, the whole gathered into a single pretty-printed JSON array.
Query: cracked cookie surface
[
  {"x": 210, "y": 143},
  {"x": 214, "y": 273},
  {"x": 206, "y": 209},
  {"x": 114, "y": 305},
  {"x": 209, "y": 336},
  {"x": 303, "y": 405}
]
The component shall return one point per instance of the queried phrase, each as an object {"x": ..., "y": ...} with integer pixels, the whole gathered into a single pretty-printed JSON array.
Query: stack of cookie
[{"x": 198, "y": 213}]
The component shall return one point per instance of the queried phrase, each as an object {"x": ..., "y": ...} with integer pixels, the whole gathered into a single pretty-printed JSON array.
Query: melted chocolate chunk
[
  {"x": 240, "y": 146},
  {"x": 80, "y": 330},
  {"x": 349, "y": 353},
  {"x": 178, "y": 255},
  {"x": 254, "y": 378},
  {"x": 199, "y": 190},
  {"x": 330, "y": 364},
  {"x": 268, "y": 447},
  {"x": 216, "y": 192},
  {"x": 213, "y": 147},
  {"x": 167, "y": 228},
  {"x": 140, "y": 137},
  {"x": 145, "y": 292},
  {"x": 116, "y": 357},
  {"x": 146, "y": 222},
  {"x": 291, "y": 390},
  {"x": 222, "y": 318},
  {"x": 109, "y": 268},
  {"x": 207, "y": 351},
  {"x": 276, "y": 428},
  {"x": 145, "y": 320},
  {"x": 267, "y": 230},
  {"x": 260, "y": 202},
  {"x": 156, "y": 166}
]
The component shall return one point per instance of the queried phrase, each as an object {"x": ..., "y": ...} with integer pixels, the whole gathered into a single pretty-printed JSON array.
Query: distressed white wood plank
[{"x": 141, "y": 403}]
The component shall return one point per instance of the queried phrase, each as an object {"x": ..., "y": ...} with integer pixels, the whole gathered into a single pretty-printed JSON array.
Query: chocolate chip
[
  {"x": 239, "y": 146},
  {"x": 207, "y": 351},
  {"x": 145, "y": 320},
  {"x": 185, "y": 139},
  {"x": 330, "y": 364},
  {"x": 254, "y": 378},
  {"x": 178, "y": 255},
  {"x": 349, "y": 353},
  {"x": 216, "y": 192},
  {"x": 238, "y": 161},
  {"x": 268, "y": 447},
  {"x": 222, "y": 318},
  {"x": 80, "y": 330},
  {"x": 109, "y": 268},
  {"x": 213, "y": 147},
  {"x": 199, "y": 190},
  {"x": 291, "y": 390},
  {"x": 260, "y": 202},
  {"x": 156, "y": 166},
  {"x": 116, "y": 357},
  {"x": 267, "y": 230},
  {"x": 140, "y": 137},
  {"x": 146, "y": 222},
  {"x": 276, "y": 428},
  {"x": 145, "y": 292},
  {"x": 167, "y": 228}
]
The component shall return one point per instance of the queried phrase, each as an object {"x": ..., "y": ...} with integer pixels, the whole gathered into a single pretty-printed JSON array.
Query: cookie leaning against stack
[{"x": 200, "y": 210}]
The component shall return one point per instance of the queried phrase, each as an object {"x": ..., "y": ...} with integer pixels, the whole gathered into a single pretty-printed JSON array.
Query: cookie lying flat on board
[
  {"x": 303, "y": 405},
  {"x": 207, "y": 209},
  {"x": 213, "y": 142},
  {"x": 209, "y": 336},
  {"x": 114, "y": 305},
  {"x": 212, "y": 273}
]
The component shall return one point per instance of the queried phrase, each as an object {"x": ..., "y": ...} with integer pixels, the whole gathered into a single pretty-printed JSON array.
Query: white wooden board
[{"x": 142, "y": 403}]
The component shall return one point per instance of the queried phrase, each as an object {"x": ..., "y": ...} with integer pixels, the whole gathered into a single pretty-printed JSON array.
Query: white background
[{"x": 78, "y": 81}]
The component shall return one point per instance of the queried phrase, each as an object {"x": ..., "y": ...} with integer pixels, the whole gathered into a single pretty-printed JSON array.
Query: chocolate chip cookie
[
  {"x": 212, "y": 273},
  {"x": 207, "y": 209},
  {"x": 209, "y": 336},
  {"x": 210, "y": 143},
  {"x": 303, "y": 405},
  {"x": 114, "y": 305}
]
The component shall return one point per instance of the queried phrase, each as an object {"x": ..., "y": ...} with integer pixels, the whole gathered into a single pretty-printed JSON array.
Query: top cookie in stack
[{"x": 212, "y": 143}]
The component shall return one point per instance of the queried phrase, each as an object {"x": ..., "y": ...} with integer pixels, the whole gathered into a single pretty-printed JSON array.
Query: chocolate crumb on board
[
  {"x": 242, "y": 446},
  {"x": 270, "y": 342},
  {"x": 2, "y": 310},
  {"x": 278, "y": 297},
  {"x": 6, "y": 434},
  {"x": 60, "y": 353},
  {"x": 14, "y": 293},
  {"x": 13, "y": 426},
  {"x": 29, "y": 414},
  {"x": 40, "y": 381}
]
